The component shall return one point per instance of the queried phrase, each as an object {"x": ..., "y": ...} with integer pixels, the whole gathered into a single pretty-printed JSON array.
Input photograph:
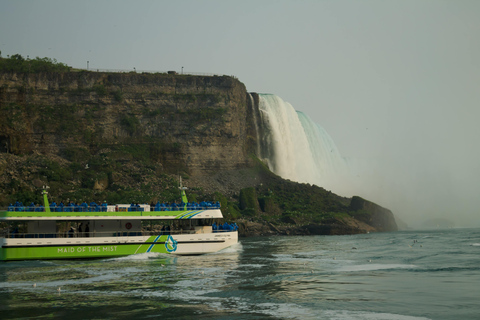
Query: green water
[{"x": 402, "y": 275}]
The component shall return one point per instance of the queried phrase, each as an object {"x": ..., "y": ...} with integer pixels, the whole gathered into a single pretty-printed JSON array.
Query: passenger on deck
[
  {"x": 70, "y": 207},
  {"x": 133, "y": 207}
]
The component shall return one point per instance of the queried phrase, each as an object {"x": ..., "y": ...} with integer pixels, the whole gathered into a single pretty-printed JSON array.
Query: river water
[{"x": 400, "y": 275}]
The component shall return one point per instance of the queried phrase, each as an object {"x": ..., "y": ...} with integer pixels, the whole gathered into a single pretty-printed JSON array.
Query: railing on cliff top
[{"x": 134, "y": 70}]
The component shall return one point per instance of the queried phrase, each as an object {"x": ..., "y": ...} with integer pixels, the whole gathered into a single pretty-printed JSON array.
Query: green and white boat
[{"x": 111, "y": 230}]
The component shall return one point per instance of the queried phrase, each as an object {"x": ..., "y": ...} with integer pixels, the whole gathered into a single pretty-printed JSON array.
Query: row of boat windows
[{"x": 16, "y": 233}]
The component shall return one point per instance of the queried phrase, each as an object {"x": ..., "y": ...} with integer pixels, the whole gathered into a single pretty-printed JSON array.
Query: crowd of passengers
[
  {"x": 190, "y": 206},
  {"x": 102, "y": 207},
  {"x": 61, "y": 207},
  {"x": 224, "y": 227}
]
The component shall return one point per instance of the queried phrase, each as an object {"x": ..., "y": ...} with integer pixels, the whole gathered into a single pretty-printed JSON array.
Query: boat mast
[
  {"x": 184, "y": 195},
  {"x": 45, "y": 199}
]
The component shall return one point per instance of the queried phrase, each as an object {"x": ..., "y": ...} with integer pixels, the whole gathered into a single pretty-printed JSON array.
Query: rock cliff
[{"x": 191, "y": 123}]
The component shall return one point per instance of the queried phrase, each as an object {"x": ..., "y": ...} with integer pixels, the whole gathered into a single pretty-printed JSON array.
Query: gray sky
[{"x": 395, "y": 83}]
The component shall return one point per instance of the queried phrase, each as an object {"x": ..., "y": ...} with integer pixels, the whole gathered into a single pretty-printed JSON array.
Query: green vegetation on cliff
[
  {"x": 17, "y": 63},
  {"x": 283, "y": 201}
]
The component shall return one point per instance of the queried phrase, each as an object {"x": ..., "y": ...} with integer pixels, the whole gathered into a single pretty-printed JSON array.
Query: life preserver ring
[{"x": 128, "y": 225}]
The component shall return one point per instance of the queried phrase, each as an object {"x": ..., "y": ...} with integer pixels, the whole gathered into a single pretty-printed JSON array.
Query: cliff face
[{"x": 191, "y": 123}]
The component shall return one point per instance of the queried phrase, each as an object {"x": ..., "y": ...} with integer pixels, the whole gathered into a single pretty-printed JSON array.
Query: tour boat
[{"x": 98, "y": 231}]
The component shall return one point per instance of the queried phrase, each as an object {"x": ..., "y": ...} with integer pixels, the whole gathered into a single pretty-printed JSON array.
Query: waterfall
[
  {"x": 255, "y": 120},
  {"x": 296, "y": 148}
]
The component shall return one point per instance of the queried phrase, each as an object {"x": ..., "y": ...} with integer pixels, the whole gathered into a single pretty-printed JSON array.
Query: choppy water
[{"x": 402, "y": 275}]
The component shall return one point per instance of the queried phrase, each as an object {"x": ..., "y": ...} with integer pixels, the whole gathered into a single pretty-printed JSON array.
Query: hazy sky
[{"x": 395, "y": 83}]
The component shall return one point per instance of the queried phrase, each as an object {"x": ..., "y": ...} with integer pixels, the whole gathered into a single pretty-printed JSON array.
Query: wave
[
  {"x": 294, "y": 311},
  {"x": 358, "y": 315},
  {"x": 139, "y": 256},
  {"x": 373, "y": 267},
  {"x": 236, "y": 248}
]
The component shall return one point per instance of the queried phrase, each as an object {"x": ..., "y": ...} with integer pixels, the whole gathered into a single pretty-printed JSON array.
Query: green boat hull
[{"x": 158, "y": 244}]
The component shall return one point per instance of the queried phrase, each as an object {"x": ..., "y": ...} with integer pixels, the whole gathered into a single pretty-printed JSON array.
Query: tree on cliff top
[{"x": 17, "y": 63}]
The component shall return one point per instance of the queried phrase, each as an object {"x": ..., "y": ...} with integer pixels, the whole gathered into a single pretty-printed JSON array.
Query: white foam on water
[
  {"x": 58, "y": 283},
  {"x": 139, "y": 256},
  {"x": 375, "y": 266},
  {"x": 283, "y": 257},
  {"x": 286, "y": 311},
  {"x": 294, "y": 311},
  {"x": 359, "y": 315},
  {"x": 199, "y": 296},
  {"x": 475, "y": 244},
  {"x": 320, "y": 253},
  {"x": 236, "y": 248},
  {"x": 251, "y": 265}
]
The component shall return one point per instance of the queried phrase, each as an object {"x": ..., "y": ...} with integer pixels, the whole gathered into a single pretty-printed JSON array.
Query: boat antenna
[
  {"x": 184, "y": 196},
  {"x": 45, "y": 199}
]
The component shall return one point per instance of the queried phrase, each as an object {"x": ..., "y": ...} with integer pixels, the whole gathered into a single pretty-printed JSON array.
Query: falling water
[
  {"x": 296, "y": 148},
  {"x": 255, "y": 120}
]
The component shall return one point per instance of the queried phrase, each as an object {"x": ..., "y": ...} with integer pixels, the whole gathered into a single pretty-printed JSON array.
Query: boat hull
[{"x": 84, "y": 248}]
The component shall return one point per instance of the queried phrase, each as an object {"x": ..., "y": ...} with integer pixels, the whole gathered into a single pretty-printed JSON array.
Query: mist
[{"x": 420, "y": 184}]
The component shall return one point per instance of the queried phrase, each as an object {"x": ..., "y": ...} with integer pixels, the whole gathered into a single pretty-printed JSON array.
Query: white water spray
[{"x": 298, "y": 149}]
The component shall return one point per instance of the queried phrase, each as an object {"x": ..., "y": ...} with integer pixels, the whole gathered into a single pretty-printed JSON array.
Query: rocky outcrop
[
  {"x": 380, "y": 218},
  {"x": 332, "y": 227}
]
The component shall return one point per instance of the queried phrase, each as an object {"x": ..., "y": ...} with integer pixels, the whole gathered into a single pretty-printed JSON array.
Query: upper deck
[{"x": 110, "y": 212}]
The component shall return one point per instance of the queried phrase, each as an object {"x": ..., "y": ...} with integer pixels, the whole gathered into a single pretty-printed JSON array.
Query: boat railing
[
  {"x": 103, "y": 208},
  {"x": 94, "y": 234}
]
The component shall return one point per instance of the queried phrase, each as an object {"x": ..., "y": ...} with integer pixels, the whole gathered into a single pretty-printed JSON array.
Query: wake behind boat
[{"x": 94, "y": 231}]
